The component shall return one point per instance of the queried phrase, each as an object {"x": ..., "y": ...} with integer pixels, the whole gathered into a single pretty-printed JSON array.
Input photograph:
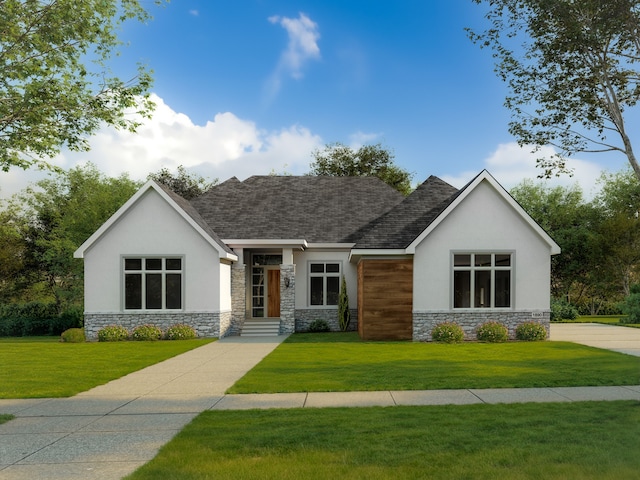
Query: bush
[
  {"x": 562, "y": 310},
  {"x": 73, "y": 335},
  {"x": 447, "y": 332},
  {"x": 631, "y": 306},
  {"x": 34, "y": 318},
  {"x": 146, "y": 332},
  {"x": 493, "y": 332},
  {"x": 319, "y": 326},
  {"x": 180, "y": 332},
  {"x": 113, "y": 333},
  {"x": 531, "y": 332}
]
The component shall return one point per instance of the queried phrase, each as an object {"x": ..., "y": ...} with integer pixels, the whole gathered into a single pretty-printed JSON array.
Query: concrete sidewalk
[{"x": 109, "y": 431}]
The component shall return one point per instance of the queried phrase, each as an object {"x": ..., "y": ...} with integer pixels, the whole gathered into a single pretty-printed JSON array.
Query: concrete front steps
[{"x": 260, "y": 328}]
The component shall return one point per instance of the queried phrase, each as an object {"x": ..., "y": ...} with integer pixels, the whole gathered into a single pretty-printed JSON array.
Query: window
[
  {"x": 324, "y": 283},
  {"x": 482, "y": 280},
  {"x": 153, "y": 283}
]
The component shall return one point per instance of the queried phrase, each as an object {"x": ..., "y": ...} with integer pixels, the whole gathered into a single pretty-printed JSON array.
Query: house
[{"x": 271, "y": 251}]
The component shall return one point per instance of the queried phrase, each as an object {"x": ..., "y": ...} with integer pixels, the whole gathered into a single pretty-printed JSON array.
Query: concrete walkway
[
  {"x": 610, "y": 337},
  {"x": 109, "y": 431}
]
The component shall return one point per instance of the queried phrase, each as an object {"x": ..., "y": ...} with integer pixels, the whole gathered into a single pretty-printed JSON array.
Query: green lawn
[
  {"x": 43, "y": 367},
  {"x": 606, "y": 319},
  {"x": 4, "y": 418},
  {"x": 585, "y": 440},
  {"x": 340, "y": 362}
]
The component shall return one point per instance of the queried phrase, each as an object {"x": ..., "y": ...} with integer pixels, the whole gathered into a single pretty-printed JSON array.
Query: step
[{"x": 260, "y": 328}]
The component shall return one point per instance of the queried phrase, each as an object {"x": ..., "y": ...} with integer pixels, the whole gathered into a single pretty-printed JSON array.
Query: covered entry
[{"x": 265, "y": 285}]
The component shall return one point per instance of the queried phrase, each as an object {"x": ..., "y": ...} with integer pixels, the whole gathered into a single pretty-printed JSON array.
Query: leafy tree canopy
[
  {"x": 572, "y": 72},
  {"x": 55, "y": 84},
  {"x": 339, "y": 160},
  {"x": 187, "y": 185}
]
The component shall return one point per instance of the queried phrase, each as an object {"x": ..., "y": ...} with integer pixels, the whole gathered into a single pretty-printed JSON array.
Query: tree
[
  {"x": 55, "y": 84},
  {"x": 344, "y": 314},
  {"x": 185, "y": 184},
  {"x": 573, "y": 76},
  {"x": 54, "y": 218},
  {"x": 339, "y": 160}
]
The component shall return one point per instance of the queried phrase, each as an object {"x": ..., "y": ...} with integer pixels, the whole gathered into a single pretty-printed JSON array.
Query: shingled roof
[
  {"x": 402, "y": 224},
  {"x": 317, "y": 209}
]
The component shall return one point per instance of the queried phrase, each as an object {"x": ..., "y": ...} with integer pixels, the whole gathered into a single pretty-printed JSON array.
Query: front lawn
[
  {"x": 340, "y": 362},
  {"x": 586, "y": 440},
  {"x": 43, "y": 367}
]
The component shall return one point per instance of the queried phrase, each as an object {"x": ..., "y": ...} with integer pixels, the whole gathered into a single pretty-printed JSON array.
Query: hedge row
[{"x": 37, "y": 318}]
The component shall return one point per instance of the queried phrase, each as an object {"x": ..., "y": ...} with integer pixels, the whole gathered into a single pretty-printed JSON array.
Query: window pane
[
  {"x": 503, "y": 260},
  {"x": 153, "y": 295},
  {"x": 153, "y": 264},
  {"x": 133, "y": 291},
  {"x": 133, "y": 264},
  {"x": 503, "y": 288},
  {"x": 462, "y": 260},
  {"x": 333, "y": 290},
  {"x": 257, "y": 312},
  {"x": 482, "y": 296},
  {"x": 174, "y": 290},
  {"x": 317, "y": 268},
  {"x": 317, "y": 284},
  {"x": 174, "y": 264},
  {"x": 462, "y": 289},
  {"x": 483, "y": 260},
  {"x": 333, "y": 268}
]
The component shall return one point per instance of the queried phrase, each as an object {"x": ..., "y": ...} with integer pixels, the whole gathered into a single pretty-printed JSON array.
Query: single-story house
[{"x": 268, "y": 254}]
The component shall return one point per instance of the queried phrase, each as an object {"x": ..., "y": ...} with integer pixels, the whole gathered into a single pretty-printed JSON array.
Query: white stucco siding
[
  {"x": 302, "y": 261},
  {"x": 482, "y": 222},
  {"x": 152, "y": 227}
]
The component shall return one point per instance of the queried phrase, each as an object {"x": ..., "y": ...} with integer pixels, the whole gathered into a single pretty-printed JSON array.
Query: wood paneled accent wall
[{"x": 385, "y": 299}]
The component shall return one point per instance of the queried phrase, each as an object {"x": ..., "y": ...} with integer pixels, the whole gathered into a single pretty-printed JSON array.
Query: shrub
[
  {"x": 319, "y": 326},
  {"x": 447, "y": 332},
  {"x": 631, "y": 306},
  {"x": 146, "y": 332},
  {"x": 73, "y": 335},
  {"x": 562, "y": 310},
  {"x": 531, "y": 332},
  {"x": 180, "y": 332},
  {"x": 33, "y": 318},
  {"x": 113, "y": 333},
  {"x": 493, "y": 332},
  {"x": 344, "y": 314}
]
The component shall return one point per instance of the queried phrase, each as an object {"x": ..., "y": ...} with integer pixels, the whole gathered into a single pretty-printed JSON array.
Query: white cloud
[
  {"x": 510, "y": 164},
  {"x": 194, "y": 12},
  {"x": 302, "y": 47},
  {"x": 224, "y": 147}
]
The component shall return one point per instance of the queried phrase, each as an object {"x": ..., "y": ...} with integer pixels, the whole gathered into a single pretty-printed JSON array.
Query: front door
[
  {"x": 265, "y": 292},
  {"x": 273, "y": 293}
]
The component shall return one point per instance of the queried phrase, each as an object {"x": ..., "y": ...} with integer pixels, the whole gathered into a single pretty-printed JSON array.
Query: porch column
[
  {"x": 238, "y": 295},
  {"x": 287, "y": 298}
]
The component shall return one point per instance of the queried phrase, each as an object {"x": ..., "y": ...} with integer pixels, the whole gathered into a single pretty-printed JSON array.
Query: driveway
[{"x": 619, "y": 339}]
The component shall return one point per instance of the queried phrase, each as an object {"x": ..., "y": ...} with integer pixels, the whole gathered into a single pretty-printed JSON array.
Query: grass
[
  {"x": 43, "y": 367},
  {"x": 4, "y": 418},
  {"x": 584, "y": 440},
  {"x": 340, "y": 362},
  {"x": 606, "y": 319}
]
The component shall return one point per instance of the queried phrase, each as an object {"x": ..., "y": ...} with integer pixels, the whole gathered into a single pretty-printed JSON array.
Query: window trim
[
  {"x": 472, "y": 268},
  {"x": 163, "y": 271},
  {"x": 323, "y": 275}
]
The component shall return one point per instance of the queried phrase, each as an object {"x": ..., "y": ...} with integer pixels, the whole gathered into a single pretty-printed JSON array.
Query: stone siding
[
  {"x": 238, "y": 295},
  {"x": 304, "y": 317},
  {"x": 287, "y": 299},
  {"x": 423, "y": 322},
  {"x": 206, "y": 324}
]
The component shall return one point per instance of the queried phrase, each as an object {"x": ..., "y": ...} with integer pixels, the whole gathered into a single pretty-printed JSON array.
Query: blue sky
[{"x": 252, "y": 86}]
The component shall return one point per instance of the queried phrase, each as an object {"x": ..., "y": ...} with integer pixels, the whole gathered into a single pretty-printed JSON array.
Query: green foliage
[
  {"x": 339, "y": 160},
  {"x": 492, "y": 332},
  {"x": 180, "y": 331},
  {"x": 57, "y": 87},
  {"x": 187, "y": 185},
  {"x": 447, "y": 332},
  {"x": 73, "y": 335},
  {"x": 318, "y": 325},
  {"x": 572, "y": 72},
  {"x": 531, "y": 332},
  {"x": 36, "y": 318},
  {"x": 146, "y": 332},
  {"x": 631, "y": 306},
  {"x": 113, "y": 333},
  {"x": 344, "y": 314},
  {"x": 562, "y": 310}
]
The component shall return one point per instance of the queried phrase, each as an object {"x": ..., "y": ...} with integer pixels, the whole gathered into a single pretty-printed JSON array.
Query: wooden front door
[{"x": 273, "y": 296}]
